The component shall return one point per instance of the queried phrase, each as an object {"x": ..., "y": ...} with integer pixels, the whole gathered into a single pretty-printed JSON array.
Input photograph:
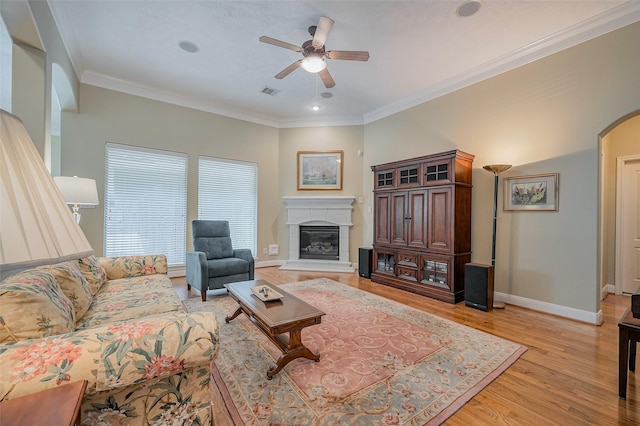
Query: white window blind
[
  {"x": 228, "y": 190},
  {"x": 145, "y": 203}
]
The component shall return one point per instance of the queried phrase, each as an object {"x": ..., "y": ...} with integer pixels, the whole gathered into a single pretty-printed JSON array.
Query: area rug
[{"x": 382, "y": 363}]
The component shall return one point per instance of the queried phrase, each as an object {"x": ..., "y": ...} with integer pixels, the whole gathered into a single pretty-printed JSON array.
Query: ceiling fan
[{"x": 314, "y": 53}]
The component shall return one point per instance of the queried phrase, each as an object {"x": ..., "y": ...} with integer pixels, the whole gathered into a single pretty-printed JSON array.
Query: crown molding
[
  {"x": 615, "y": 18},
  {"x": 604, "y": 23},
  {"x": 157, "y": 94},
  {"x": 125, "y": 86}
]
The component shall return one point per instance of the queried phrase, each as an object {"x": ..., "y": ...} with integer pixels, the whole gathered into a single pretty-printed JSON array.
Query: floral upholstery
[
  {"x": 94, "y": 272},
  {"x": 143, "y": 366},
  {"x": 73, "y": 284},
  {"x": 134, "y": 297},
  {"x": 133, "y": 266},
  {"x": 33, "y": 305}
]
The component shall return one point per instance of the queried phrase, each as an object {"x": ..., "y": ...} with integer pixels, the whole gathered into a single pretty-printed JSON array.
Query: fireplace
[
  {"x": 319, "y": 233},
  {"x": 320, "y": 242}
]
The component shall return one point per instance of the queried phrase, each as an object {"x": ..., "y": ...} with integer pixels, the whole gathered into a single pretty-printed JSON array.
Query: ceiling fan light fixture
[{"x": 313, "y": 64}]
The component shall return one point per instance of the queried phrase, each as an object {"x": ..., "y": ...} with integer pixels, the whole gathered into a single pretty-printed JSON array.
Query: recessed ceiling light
[
  {"x": 315, "y": 107},
  {"x": 326, "y": 95},
  {"x": 188, "y": 46},
  {"x": 468, "y": 8}
]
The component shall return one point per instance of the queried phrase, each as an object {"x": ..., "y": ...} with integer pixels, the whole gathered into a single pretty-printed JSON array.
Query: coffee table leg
[
  {"x": 237, "y": 312},
  {"x": 295, "y": 349}
]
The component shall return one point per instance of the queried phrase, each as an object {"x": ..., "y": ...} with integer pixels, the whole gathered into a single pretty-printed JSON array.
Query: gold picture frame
[
  {"x": 533, "y": 193},
  {"x": 320, "y": 170}
]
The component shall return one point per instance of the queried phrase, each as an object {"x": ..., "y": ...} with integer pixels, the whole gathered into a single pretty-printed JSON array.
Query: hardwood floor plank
[{"x": 567, "y": 376}]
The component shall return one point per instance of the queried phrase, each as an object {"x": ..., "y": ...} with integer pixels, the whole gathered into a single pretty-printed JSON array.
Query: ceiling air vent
[{"x": 270, "y": 91}]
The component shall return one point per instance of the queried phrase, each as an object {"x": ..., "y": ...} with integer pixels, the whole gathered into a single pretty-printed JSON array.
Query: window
[
  {"x": 145, "y": 203},
  {"x": 228, "y": 190}
]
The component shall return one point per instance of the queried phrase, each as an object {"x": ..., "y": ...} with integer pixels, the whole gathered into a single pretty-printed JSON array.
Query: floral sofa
[{"x": 117, "y": 323}]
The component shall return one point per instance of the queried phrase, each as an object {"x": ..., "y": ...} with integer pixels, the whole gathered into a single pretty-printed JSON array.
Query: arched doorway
[
  {"x": 62, "y": 99},
  {"x": 620, "y": 141}
]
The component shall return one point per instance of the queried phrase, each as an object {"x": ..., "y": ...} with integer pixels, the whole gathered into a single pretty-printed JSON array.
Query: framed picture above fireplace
[{"x": 320, "y": 170}]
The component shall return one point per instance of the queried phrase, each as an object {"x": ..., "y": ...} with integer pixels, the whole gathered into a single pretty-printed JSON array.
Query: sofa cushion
[
  {"x": 130, "y": 298},
  {"x": 94, "y": 273},
  {"x": 130, "y": 266},
  {"x": 74, "y": 285},
  {"x": 33, "y": 305}
]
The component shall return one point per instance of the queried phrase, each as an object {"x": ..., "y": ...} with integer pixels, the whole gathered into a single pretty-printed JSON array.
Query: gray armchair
[{"x": 214, "y": 262}]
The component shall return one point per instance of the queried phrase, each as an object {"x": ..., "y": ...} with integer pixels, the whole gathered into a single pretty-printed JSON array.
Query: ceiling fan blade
[
  {"x": 322, "y": 32},
  {"x": 326, "y": 78},
  {"x": 288, "y": 70},
  {"x": 348, "y": 55},
  {"x": 279, "y": 43}
]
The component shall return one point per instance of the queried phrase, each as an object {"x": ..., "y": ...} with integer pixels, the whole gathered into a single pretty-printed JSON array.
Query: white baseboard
[
  {"x": 608, "y": 288},
  {"x": 550, "y": 308},
  {"x": 177, "y": 271},
  {"x": 268, "y": 263}
]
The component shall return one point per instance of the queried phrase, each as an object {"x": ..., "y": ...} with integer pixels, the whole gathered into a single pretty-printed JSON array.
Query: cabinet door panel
[
  {"x": 440, "y": 226},
  {"x": 399, "y": 218},
  {"x": 382, "y": 210},
  {"x": 417, "y": 225}
]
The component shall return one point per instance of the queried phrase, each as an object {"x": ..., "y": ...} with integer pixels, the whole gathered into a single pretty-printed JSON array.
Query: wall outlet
[
  {"x": 273, "y": 249},
  {"x": 265, "y": 250}
]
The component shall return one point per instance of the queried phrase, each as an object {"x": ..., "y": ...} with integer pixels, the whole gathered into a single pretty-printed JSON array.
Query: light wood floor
[{"x": 568, "y": 376}]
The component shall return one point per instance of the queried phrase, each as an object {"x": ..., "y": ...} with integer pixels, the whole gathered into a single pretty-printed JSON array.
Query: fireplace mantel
[{"x": 318, "y": 211}]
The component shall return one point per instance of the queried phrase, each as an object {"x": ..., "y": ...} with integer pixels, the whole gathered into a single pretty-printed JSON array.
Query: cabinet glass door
[
  {"x": 385, "y": 263},
  {"x": 435, "y": 272},
  {"x": 384, "y": 179}
]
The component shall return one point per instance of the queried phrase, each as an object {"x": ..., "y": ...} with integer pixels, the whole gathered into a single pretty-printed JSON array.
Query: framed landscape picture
[
  {"x": 533, "y": 193},
  {"x": 320, "y": 169}
]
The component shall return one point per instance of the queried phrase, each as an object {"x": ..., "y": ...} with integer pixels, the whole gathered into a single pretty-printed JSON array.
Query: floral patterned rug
[{"x": 382, "y": 363}]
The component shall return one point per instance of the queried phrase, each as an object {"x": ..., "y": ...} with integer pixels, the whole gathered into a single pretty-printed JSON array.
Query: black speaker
[
  {"x": 365, "y": 257},
  {"x": 478, "y": 286}
]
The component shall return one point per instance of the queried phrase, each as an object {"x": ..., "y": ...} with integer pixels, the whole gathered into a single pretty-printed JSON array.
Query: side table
[
  {"x": 629, "y": 328},
  {"x": 59, "y": 406}
]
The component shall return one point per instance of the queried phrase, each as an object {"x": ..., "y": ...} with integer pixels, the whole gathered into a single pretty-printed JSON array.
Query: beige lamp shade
[
  {"x": 36, "y": 225},
  {"x": 76, "y": 190}
]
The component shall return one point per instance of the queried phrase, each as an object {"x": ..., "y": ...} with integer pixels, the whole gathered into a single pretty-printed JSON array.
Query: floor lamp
[{"x": 496, "y": 169}]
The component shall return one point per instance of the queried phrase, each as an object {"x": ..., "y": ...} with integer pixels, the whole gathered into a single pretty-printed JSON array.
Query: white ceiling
[{"x": 419, "y": 50}]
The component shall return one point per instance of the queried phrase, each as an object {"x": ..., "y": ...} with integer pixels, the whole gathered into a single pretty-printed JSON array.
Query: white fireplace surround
[{"x": 318, "y": 211}]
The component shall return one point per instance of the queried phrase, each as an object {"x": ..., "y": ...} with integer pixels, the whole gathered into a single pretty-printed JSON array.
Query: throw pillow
[
  {"x": 32, "y": 305},
  {"x": 74, "y": 285},
  {"x": 94, "y": 273}
]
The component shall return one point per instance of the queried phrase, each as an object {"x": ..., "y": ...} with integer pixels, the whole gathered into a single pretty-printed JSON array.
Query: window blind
[
  {"x": 228, "y": 190},
  {"x": 145, "y": 203}
]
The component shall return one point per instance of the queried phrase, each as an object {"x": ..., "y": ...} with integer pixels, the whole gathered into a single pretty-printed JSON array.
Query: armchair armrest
[
  {"x": 197, "y": 270},
  {"x": 246, "y": 255},
  {"x": 110, "y": 356},
  {"x": 133, "y": 266}
]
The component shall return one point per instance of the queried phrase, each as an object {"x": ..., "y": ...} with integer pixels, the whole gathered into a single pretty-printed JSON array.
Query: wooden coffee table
[{"x": 280, "y": 320}]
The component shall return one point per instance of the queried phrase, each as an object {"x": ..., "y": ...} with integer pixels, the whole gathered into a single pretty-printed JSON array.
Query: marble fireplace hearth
[{"x": 319, "y": 211}]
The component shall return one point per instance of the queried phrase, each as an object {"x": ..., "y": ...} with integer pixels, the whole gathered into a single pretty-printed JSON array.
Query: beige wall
[
  {"x": 544, "y": 117},
  {"x": 109, "y": 116},
  {"x": 348, "y": 139},
  {"x": 621, "y": 141}
]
